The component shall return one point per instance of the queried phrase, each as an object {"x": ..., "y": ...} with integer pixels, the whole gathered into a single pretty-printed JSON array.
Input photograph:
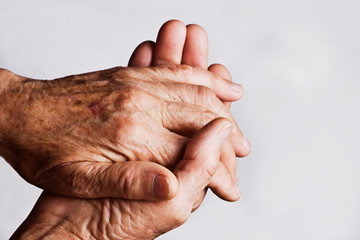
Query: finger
[
  {"x": 169, "y": 43},
  {"x": 223, "y": 72},
  {"x": 142, "y": 55},
  {"x": 223, "y": 186},
  {"x": 201, "y": 158},
  {"x": 207, "y": 104},
  {"x": 195, "y": 52},
  {"x": 136, "y": 180},
  {"x": 168, "y": 150},
  {"x": 228, "y": 158},
  {"x": 185, "y": 119},
  {"x": 188, "y": 119},
  {"x": 224, "y": 90},
  {"x": 224, "y": 183},
  {"x": 200, "y": 199}
]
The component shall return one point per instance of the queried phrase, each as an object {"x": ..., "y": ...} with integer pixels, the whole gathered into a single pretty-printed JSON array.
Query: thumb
[
  {"x": 133, "y": 180},
  {"x": 202, "y": 157}
]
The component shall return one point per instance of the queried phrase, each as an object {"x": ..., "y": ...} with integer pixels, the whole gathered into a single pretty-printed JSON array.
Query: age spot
[
  {"x": 78, "y": 103},
  {"x": 95, "y": 108}
]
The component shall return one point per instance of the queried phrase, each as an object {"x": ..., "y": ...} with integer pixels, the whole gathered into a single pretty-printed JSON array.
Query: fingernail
[
  {"x": 237, "y": 88},
  {"x": 246, "y": 144},
  {"x": 224, "y": 133},
  {"x": 161, "y": 187}
]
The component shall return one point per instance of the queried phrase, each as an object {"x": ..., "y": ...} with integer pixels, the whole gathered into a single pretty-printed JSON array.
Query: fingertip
[
  {"x": 217, "y": 130},
  {"x": 220, "y": 70},
  {"x": 169, "y": 43},
  {"x": 161, "y": 187},
  {"x": 247, "y": 145},
  {"x": 174, "y": 186},
  {"x": 224, "y": 132},
  {"x": 223, "y": 185},
  {"x": 164, "y": 184},
  {"x": 196, "y": 47},
  {"x": 243, "y": 148},
  {"x": 173, "y": 23},
  {"x": 228, "y": 158},
  {"x": 197, "y": 28},
  {"x": 224, "y": 73},
  {"x": 142, "y": 55}
]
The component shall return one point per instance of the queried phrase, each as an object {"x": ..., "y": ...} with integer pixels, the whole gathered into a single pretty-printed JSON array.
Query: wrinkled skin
[
  {"x": 78, "y": 134},
  {"x": 67, "y": 218},
  {"x": 57, "y": 217},
  {"x": 180, "y": 44}
]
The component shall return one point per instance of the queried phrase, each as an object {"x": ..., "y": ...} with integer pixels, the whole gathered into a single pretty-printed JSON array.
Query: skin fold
[
  {"x": 121, "y": 133},
  {"x": 95, "y": 127},
  {"x": 180, "y": 44},
  {"x": 59, "y": 217}
]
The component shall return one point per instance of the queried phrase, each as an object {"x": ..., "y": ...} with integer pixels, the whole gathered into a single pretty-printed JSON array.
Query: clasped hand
[{"x": 121, "y": 132}]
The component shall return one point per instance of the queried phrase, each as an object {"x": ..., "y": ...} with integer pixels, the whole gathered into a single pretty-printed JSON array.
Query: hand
[
  {"x": 58, "y": 217},
  {"x": 84, "y": 135},
  {"x": 180, "y": 44}
]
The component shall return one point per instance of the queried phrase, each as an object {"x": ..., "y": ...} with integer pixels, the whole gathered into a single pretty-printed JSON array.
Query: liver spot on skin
[
  {"x": 78, "y": 103},
  {"x": 95, "y": 108}
]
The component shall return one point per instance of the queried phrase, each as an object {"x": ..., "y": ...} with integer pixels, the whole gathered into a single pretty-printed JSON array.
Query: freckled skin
[
  {"x": 63, "y": 135},
  {"x": 95, "y": 108},
  {"x": 110, "y": 218}
]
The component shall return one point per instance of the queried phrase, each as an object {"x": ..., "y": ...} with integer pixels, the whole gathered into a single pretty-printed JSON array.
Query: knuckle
[
  {"x": 126, "y": 181},
  {"x": 204, "y": 95},
  {"x": 124, "y": 130},
  {"x": 180, "y": 217},
  {"x": 186, "y": 72},
  {"x": 6, "y": 74},
  {"x": 129, "y": 98},
  {"x": 211, "y": 168},
  {"x": 206, "y": 117}
]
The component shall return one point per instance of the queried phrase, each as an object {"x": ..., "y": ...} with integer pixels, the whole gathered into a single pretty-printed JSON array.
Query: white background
[{"x": 299, "y": 63}]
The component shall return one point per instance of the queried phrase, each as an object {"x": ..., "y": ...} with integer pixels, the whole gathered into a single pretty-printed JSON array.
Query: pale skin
[
  {"x": 49, "y": 214},
  {"x": 180, "y": 44}
]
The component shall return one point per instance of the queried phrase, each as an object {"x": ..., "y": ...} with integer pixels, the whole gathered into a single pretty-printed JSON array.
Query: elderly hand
[
  {"x": 58, "y": 217},
  {"x": 180, "y": 44},
  {"x": 101, "y": 134}
]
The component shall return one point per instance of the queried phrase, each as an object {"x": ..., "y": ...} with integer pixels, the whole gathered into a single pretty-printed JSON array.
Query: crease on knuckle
[
  {"x": 134, "y": 99},
  {"x": 204, "y": 95},
  {"x": 208, "y": 116},
  {"x": 188, "y": 73},
  {"x": 210, "y": 169},
  {"x": 126, "y": 180}
]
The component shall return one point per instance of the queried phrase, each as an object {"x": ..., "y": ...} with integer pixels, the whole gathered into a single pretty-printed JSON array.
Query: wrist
[
  {"x": 7, "y": 78},
  {"x": 8, "y": 96},
  {"x": 48, "y": 227}
]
